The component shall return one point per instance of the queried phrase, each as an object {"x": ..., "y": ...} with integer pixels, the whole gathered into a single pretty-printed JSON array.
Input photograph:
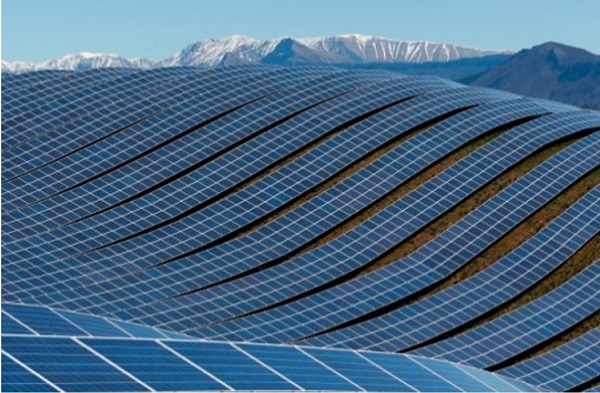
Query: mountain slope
[
  {"x": 551, "y": 71},
  {"x": 368, "y": 49}
]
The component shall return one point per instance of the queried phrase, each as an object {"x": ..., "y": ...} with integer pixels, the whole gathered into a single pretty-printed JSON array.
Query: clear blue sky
[{"x": 35, "y": 30}]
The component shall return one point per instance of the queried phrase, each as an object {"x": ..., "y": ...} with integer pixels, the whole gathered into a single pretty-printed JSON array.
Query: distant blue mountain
[{"x": 551, "y": 71}]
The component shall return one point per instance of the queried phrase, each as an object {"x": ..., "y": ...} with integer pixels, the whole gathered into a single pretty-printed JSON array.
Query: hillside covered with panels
[{"x": 355, "y": 210}]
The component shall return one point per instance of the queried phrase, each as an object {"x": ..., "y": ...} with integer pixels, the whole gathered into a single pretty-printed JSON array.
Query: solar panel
[
  {"x": 42, "y": 320},
  {"x": 167, "y": 199},
  {"x": 25, "y": 319},
  {"x": 113, "y": 115},
  {"x": 23, "y": 104},
  {"x": 422, "y": 379},
  {"x": 242, "y": 165},
  {"x": 343, "y": 149},
  {"x": 15, "y": 378},
  {"x": 67, "y": 365},
  {"x": 93, "y": 325},
  {"x": 299, "y": 368},
  {"x": 506, "y": 337},
  {"x": 53, "y": 114},
  {"x": 221, "y": 262},
  {"x": 367, "y": 374},
  {"x": 117, "y": 364},
  {"x": 564, "y": 368},
  {"x": 13, "y": 326},
  {"x": 231, "y": 366},
  {"x": 154, "y": 365},
  {"x": 394, "y": 282},
  {"x": 440, "y": 313}
]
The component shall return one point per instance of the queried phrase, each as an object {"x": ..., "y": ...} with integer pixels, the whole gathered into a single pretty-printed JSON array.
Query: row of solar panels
[
  {"x": 566, "y": 367},
  {"x": 23, "y": 319},
  {"x": 547, "y": 175},
  {"x": 58, "y": 266},
  {"x": 82, "y": 363}
]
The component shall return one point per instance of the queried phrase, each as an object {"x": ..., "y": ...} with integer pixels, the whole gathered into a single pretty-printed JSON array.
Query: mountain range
[
  {"x": 237, "y": 49},
  {"x": 551, "y": 70}
]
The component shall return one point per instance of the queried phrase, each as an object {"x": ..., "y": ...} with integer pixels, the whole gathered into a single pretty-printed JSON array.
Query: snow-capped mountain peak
[{"x": 240, "y": 49}]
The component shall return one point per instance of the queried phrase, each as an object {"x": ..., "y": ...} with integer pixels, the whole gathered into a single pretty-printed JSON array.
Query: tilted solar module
[
  {"x": 66, "y": 364},
  {"x": 16, "y": 378},
  {"x": 330, "y": 197},
  {"x": 179, "y": 365},
  {"x": 16, "y": 82},
  {"x": 567, "y": 130},
  {"x": 54, "y": 361},
  {"x": 567, "y": 367},
  {"x": 322, "y": 213},
  {"x": 247, "y": 164},
  {"x": 148, "y": 141},
  {"x": 506, "y": 337},
  {"x": 28, "y": 319},
  {"x": 141, "y": 103},
  {"x": 22, "y": 105},
  {"x": 427, "y": 265}
]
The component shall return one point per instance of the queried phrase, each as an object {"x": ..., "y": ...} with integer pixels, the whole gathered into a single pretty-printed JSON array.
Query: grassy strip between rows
[{"x": 459, "y": 211}]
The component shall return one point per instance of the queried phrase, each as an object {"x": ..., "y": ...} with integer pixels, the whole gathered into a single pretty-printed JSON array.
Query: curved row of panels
[
  {"x": 89, "y": 357},
  {"x": 244, "y": 203}
]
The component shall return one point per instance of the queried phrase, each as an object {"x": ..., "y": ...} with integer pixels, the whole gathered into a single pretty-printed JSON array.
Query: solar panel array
[
  {"x": 514, "y": 333},
  {"x": 564, "y": 368},
  {"x": 422, "y": 320},
  {"x": 27, "y": 319},
  {"x": 58, "y": 360},
  {"x": 251, "y": 204}
]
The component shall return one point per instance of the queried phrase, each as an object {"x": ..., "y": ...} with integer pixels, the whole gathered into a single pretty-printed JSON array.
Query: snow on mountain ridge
[
  {"x": 240, "y": 49},
  {"x": 213, "y": 52},
  {"x": 371, "y": 49}
]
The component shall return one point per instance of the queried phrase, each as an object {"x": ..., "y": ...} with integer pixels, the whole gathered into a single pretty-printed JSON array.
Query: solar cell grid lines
[
  {"x": 166, "y": 365},
  {"x": 341, "y": 256},
  {"x": 246, "y": 164},
  {"x": 140, "y": 103},
  {"x": 193, "y": 98},
  {"x": 204, "y": 143},
  {"x": 340, "y": 304},
  {"x": 163, "y": 364},
  {"x": 564, "y": 368},
  {"x": 26, "y": 319},
  {"x": 513, "y": 333},
  {"x": 432, "y": 262},
  {"x": 52, "y": 116},
  {"x": 343, "y": 137},
  {"x": 207, "y": 107},
  {"x": 15, "y": 83},
  {"x": 376, "y": 171},
  {"x": 22, "y": 101},
  {"x": 308, "y": 215}
]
